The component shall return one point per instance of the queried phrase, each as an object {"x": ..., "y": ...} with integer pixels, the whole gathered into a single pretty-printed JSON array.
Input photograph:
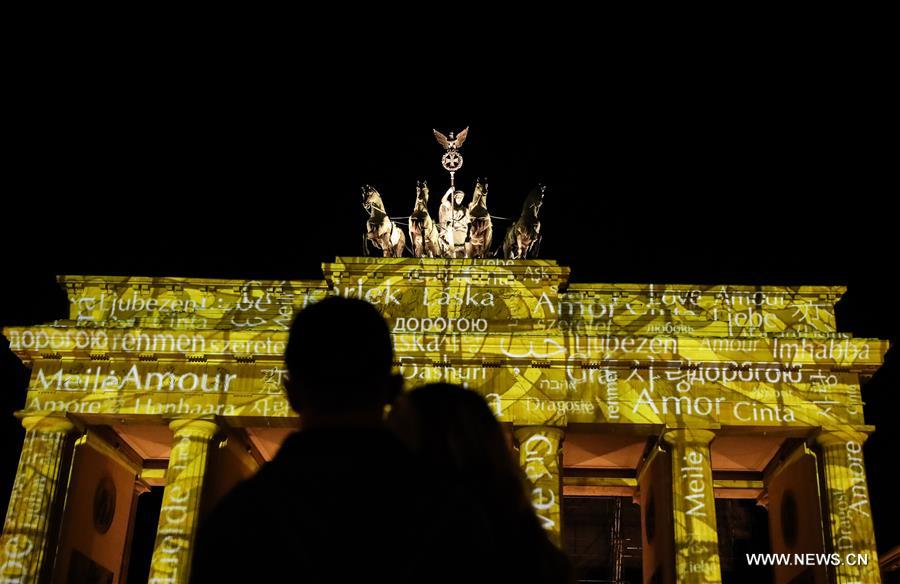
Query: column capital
[
  {"x": 523, "y": 432},
  {"x": 202, "y": 428},
  {"x": 831, "y": 437},
  {"x": 46, "y": 422},
  {"x": 675, "y": 436}
]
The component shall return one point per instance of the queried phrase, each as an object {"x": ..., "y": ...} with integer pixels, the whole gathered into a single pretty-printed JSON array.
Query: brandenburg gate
[{"x": 674, "y": 395}]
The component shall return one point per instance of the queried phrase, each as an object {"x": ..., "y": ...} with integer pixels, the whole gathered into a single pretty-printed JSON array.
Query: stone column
[
  {"x": 181, "y": 501},
  {"x": 850, "y": 532},
  {"x": 540, "y": 451},
  {"x": 693, "y": 507},
  {"x": 24, "y": 556}
]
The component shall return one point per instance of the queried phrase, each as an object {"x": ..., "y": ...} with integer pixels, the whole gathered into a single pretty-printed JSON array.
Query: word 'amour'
[{"x": 100, "y": 380}]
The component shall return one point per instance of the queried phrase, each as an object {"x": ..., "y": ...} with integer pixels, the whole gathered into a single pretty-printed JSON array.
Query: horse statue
[
  {"x": 380, "y": 230},
  {"x": 481, "y": 231},
  {"x": 524, "y": 235},
  {"x": 423, "y": 232}
]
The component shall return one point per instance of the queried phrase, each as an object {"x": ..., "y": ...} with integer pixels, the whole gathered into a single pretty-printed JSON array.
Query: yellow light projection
[
  {"x": 26, "y": 530},
  {"x": 694, "y": 506},
  {"x": 181, "y": 501},
  {"x": 539, "y": 456},
  {"x": 685, "y": 360},
  {"x": 850, "y": 531},
  {"x": 736, "y": 355}
]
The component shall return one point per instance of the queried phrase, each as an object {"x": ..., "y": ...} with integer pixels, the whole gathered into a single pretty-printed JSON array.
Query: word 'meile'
[{"x": 98, "y": 380}]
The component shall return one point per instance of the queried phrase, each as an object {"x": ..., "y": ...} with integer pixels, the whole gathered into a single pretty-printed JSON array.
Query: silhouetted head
[
  {"x": 339, "y": 356},
  {"x": 466, "y": 453},
  {"x": 455, "y": 431}
]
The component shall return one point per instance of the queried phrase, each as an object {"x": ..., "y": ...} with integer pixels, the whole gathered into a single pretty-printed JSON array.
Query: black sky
[{"x": 772, "y": 173}]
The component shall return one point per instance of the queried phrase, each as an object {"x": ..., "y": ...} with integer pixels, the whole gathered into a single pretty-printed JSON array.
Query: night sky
[{"x": 726, "y": 176}]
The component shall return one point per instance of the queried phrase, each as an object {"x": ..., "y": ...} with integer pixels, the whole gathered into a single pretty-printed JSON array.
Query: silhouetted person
[
  {"x": 338, "y": 502},
  {"x": 484, "y": 517}
]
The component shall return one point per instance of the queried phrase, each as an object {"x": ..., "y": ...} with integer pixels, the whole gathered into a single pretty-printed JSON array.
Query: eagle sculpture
[{"x": 451, "y": 143}]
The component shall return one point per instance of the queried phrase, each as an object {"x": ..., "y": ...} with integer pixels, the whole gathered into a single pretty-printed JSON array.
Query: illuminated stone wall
[
  {"x": 598, "y": 353},
  {"x": 648, "y": 358}
]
